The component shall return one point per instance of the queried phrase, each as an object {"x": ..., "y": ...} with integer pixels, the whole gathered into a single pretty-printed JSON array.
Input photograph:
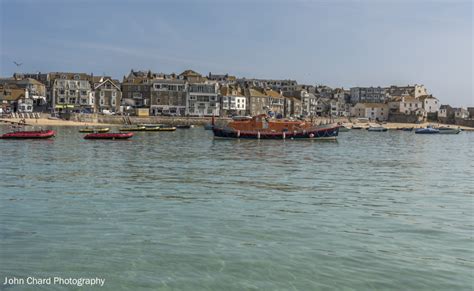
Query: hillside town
[{"x": 145, "y": 93}]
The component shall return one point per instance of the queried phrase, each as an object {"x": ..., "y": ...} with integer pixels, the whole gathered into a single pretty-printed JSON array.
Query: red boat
[
  {"x": 125, "y": 135},
  {"x": 34, "y": 134}
]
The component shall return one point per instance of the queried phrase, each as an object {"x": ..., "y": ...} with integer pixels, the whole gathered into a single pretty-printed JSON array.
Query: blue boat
[{"x": 427, "y": 130}]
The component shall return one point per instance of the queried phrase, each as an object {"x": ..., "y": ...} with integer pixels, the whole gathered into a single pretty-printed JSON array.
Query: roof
[
  {"x": 105, "y": 81},
  {"x": 256, "y": 93},
  {"x": 410, "y": 99},
  {"x": 168, "y": 81},
  {"x": 273, "y": 94},
  {"x": 190, "y": 73},
  {"x": 422, "y": 98}
]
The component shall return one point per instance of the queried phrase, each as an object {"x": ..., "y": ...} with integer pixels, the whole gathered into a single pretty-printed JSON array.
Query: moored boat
[
  {"x": 427, "y": 130},
  {"x": 377, "y": 128},
  {"x": 33, "y": 134},
  {"x": 166, "y": 128},
  {"x": 132, "y": 128},
  {"x": 184, "y": 126},
  {"x": 449, "y": 130},
  {"x": 405, "y": 128},
  {"x": 315, "y": 133},
  {"x": 356, "y": 127},
  {"x": 94, "y": 129},
  {"x": 261, "y": 127},
  {"x": 122, "y": 135}
]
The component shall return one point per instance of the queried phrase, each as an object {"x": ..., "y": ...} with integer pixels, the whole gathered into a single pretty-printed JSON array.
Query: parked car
[{"x": 108, "y": 112}]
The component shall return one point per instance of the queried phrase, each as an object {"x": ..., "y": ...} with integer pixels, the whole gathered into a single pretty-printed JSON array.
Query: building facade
[
  {"x": 372, "y": 111},
  {"x": 368, "y": 95},
  {"x": 72, "y": 95},
  {"x": 107, "y": 95},
  {"x": 203, "y": 99},
  {"x": 168, "y": 97},
  {"x": 257, "y": 102}
]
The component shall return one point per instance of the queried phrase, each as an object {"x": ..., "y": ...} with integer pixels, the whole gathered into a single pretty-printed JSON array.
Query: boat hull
[
  {"x": 112, "y": 136},
  {"x": 91, "y": 130},
  {"x": 405, "y": 128},
  {"x": 377, "y": 129},
  {"x": 449, "y": 131},
  {"x": 427, "y": 131},
  {"x": 315, "y": 133},
  {"x": 132, "y": 128},
  {"x": 38, "y": 134}
]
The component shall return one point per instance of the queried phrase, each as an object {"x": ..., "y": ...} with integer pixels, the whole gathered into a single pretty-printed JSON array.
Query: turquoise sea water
[{"x": 181, "y": 211}]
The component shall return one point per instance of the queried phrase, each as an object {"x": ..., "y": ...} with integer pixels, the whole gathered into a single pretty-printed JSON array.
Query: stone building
[
  {"x": 107, "y": 95},
  {"x": 136, "y": 89},
  {"x": 168, "y": 97},
  {"x": 257, "y": 102}
]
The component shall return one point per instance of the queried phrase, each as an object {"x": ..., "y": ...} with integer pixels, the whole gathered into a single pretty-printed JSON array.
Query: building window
[
  {"x": 72, "y": 92},
  {"x": 102, "y": 94}
]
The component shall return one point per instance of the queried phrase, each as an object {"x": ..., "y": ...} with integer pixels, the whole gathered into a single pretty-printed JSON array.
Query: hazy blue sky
[{"x": 337, "y": 43}]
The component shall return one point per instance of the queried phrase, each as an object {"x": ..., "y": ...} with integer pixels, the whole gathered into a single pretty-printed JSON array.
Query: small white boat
[{"x": 377, "y": 128}]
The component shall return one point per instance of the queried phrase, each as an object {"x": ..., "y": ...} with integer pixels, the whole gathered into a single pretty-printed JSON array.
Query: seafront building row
[{"x": 193, "y": 94}]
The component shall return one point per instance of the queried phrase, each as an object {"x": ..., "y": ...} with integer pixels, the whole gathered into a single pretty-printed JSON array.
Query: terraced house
[
  {"x": 232, "y": 101},
  {"x": 257, "y": 102},
  {"x": 203, "y": 99},
  {"x": 108, "y": 95},
  {"x": 277, "y": 102},
  {"x": 136, "y": 89},
  {"x": 168, "y": 97}
]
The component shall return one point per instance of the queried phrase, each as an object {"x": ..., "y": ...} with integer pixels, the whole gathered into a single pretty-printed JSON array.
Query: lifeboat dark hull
[
  {"x": 314, "y": 133},
  {"x": 113, "y": 136},
  {"x": 36, "y": 134}
]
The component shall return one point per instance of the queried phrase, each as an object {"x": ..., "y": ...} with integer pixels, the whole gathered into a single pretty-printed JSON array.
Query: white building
[
  {"x": 461, "y": 113},
  {"x": 430, "y": 103},
  {"x": 234, "y": 104},
  {"x": 202, "y": 99}
]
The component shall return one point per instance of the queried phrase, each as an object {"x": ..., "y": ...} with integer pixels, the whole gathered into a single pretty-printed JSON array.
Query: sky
[{"x": 335, "y": 43}]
